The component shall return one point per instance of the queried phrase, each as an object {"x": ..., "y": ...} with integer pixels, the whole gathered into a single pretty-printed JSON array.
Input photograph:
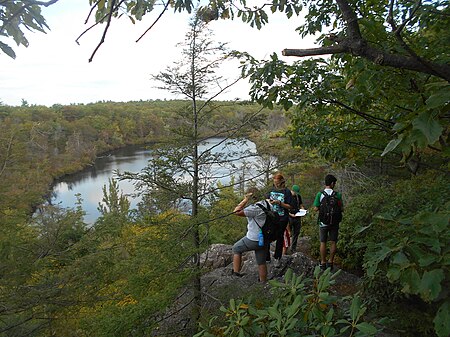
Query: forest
[{"x": 374, "y": 112}]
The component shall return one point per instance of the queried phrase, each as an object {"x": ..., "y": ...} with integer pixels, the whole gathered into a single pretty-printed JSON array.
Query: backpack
[
  {"x": 330, "y": 211},
  {"x": 270, "y": 225}
]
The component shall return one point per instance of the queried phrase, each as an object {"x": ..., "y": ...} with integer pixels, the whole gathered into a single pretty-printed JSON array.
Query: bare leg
[
  {"x": 323, "y": 252},
  {"x": 332, "y": 251},
  {"x": 237, "y": 261},
  {"x": 262, "y": 270}
]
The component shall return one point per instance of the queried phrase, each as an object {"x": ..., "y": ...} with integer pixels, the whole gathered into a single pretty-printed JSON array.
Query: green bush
[
  {"x": 301, "y": 306},
  {"x": 397, "y": 234},
  {"x": 415, "y": 257},
  {"x": 401, "y": 198}
]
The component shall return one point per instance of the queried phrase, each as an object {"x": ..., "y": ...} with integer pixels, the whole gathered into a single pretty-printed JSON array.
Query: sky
[{"x": 54, "y": 69}]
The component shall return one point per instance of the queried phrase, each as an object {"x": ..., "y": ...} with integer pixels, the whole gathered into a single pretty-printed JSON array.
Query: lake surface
[{"x": 89, "y": 182}]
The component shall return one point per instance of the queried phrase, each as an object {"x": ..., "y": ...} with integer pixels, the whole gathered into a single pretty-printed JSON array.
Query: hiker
[
  {"x": 255, "y": 220},
  {"x": 330, "y": 206},
  {"x": 295, "y": 222},
  {"x": 281, "y": 199}
]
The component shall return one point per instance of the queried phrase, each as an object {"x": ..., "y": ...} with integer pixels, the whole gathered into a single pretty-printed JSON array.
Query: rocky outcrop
[
  {"x": 219, "y": 285},
  {"x": 217, "y": 256}
]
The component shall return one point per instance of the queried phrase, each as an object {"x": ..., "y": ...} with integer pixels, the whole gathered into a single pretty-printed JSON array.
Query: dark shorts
[
  {"x": 246, "y": 245},
  {"x": 329, "y": 233}
]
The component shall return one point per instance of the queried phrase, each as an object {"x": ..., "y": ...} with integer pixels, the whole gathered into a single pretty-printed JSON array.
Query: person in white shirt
[{"x": 255, "y": 220}]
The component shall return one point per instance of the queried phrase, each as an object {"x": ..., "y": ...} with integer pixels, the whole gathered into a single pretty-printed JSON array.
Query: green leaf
[
  {"x": 393, "y": 273},
  {"x": 410, "y": 279},
  {"x": 430, "y": 243},
  {"x": 288, "y": 275},
  {"x": 363, "y": 229},
  {"x": 354, "y": 308},
  {"x": 391, "y": 146},
  {"x": 366, "y": 328},
  {"x": 440, "y": 98},
  {"x": 442, "y": 320},
  {"x": 429, "y": 126},
  {"x": 274, "y": 313},
  {"x": 438, "y": 221},
  {"x": 245, "y": 320},
  {"x": 426, "y": 260},
  {"x": 400, "y": 259},
  {"x": 344, "y": 329},
  {"x": 292, "y": 324},
  {"x": 430, "y": 285},
  {"x": 7, "y": 50}
]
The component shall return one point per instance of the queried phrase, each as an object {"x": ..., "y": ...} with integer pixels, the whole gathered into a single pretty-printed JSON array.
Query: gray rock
[
  {"x": 218, "y": 285},
  {"x": 217, "y": 256}
]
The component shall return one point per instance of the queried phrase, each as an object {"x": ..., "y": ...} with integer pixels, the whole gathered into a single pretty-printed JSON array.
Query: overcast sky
[{"x": 54, "y": 69}]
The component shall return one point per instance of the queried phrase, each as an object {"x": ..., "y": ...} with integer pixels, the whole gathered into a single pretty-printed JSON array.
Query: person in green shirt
[
  {"x": 330, "y": 206},
  {"x": 295, "y": 223}
]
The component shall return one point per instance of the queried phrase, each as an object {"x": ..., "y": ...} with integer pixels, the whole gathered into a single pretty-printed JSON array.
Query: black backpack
[
  {"x": 270, "y": 225},
  {"x": 330, "y": 211}
]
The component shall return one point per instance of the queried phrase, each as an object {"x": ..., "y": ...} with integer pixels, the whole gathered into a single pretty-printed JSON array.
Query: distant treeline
[{"x": 39, "y": 143}]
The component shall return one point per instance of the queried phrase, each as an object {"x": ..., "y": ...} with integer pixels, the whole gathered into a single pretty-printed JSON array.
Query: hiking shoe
[
  {"x": 233, "y": 273},
  {"x": 330, "y": 265},
  {"x": 323, "y": 266}
]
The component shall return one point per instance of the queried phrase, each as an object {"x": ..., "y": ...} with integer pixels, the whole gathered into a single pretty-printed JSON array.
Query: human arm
[
  {"x": 239, "y": 209},
  {"x": 287, "y": 203},
  {"x": 281, "y": 204},
  {"x": 316, "y": 202}
]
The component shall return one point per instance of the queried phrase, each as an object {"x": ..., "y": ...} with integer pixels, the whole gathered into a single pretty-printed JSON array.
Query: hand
[{"x": 248, "y": 195}]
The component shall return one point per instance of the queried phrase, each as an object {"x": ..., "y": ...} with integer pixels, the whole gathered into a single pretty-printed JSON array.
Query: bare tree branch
[
  {"x": 108, "y": 23},
  {"x": 154, "y": 22}
]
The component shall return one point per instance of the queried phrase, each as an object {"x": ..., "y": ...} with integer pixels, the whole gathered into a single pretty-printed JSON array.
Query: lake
[{"x": 89, "y": 182}]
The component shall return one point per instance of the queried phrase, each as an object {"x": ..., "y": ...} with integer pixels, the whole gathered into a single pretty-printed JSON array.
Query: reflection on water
[{"x": 89, "y": 182}]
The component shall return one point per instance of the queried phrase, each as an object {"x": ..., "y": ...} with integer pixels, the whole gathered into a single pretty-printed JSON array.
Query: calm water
[{"x": 89, "y": 182}]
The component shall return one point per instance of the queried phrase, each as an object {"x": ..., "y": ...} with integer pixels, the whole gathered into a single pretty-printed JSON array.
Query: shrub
[
  {"x": 301, "y": 306},
  {"x": 415, "y": 258}
]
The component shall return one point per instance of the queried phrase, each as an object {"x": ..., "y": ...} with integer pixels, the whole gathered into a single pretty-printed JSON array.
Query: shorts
[
  {"x": 329, "y": 233},
  {"x": 247, "y": 245}
]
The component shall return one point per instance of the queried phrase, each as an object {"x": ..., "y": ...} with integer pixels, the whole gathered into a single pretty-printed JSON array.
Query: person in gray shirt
[{"x": 251, "y": 241}]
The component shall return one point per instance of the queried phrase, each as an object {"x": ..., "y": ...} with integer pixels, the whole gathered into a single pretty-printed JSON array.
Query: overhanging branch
[
  {"x": 356, "y": 45},
  {"x": 337, "y": 49}
]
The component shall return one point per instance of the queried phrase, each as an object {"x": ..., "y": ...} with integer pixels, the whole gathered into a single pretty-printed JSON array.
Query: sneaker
[
  {"x": 323, "y": 266},
  {"x": 233, "y": 273}
]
